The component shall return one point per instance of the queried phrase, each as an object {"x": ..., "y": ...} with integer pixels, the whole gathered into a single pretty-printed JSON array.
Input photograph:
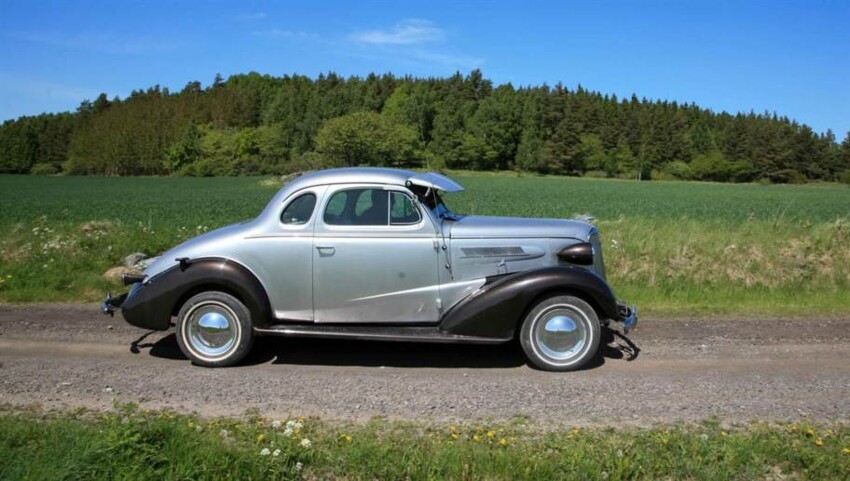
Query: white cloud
[
  {"x": 250, "y": 17},
  {"x": 406, "y": 32},
  {"x": 31, "y": 95},
  {"x": 461, "y": 62},
  {"x": 278, "y": 33},
  {"x": 106, "y": 43}
]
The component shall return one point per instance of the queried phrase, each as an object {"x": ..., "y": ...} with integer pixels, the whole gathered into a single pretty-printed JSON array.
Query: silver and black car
[{"x": 373, "y": 253}]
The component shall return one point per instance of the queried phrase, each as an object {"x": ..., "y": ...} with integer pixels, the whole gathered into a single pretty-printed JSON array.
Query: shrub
[
  {"x": 786, "y": 176},
  {"x": 845, "y": 177},
  {"x": 596, "y": 174},
  {"x": 678, "y": 170},
  {"x": 44, "y": 169}
]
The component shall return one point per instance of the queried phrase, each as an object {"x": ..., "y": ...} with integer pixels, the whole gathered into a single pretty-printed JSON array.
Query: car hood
[{"x": 477, "y": 227}]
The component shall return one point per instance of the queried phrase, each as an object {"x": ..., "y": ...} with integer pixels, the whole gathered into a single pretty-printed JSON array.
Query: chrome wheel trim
[
  {"x": 561, "y": 334},
  {"x": 211, "y": 330}
]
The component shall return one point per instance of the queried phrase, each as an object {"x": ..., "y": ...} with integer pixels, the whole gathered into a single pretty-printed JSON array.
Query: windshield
[{"x": 431, "y": 199}]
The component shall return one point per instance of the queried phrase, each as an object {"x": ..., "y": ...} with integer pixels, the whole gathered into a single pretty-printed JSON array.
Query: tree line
[{"x": 261, "y": 124}]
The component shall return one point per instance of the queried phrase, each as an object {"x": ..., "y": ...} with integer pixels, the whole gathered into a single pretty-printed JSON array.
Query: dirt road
[{"x": 685, "y": 369}]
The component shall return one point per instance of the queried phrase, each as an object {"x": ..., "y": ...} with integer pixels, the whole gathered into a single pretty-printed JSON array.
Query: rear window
[{"x": 299, "y": 210}]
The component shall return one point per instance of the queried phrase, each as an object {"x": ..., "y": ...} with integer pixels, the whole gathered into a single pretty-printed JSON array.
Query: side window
[
  {"x": 358, "y": 207},
  {"x": 299, "y": 210},
  {"x": 402, "y": 210}
]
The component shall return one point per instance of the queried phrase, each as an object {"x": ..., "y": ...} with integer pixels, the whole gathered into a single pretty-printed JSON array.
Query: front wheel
[
  {"x": 560, "y": 333},
  {"x": 214, "y": 329}
]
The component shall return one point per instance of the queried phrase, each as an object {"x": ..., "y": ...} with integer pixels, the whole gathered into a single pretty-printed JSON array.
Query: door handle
[{"x": 326, "y": 249}]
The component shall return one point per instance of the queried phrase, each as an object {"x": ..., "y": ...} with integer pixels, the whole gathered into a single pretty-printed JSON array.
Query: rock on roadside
[
  {"x": 133, "y": 259},
  {"x": 115, "y": 273},
  {"x": 134, "y": 264}
]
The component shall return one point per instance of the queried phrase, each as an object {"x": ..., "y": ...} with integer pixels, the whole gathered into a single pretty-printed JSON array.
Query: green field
[
  {"x": 131, "y": 444},
  {"x": 674, "y": 248}
]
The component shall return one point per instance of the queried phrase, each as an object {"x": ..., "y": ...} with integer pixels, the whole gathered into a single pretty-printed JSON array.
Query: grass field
[
  {"x": 130, "y": 444},
  {"x": 674, "y": 248}
]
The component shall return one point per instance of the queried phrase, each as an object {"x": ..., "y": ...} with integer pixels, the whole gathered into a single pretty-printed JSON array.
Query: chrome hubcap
[
  {"x": 561, "y": 333},
  {"x": 212, "y": 329}
]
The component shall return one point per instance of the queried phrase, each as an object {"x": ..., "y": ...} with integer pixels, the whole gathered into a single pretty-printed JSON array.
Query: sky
[{"x": 792, "y": 58}]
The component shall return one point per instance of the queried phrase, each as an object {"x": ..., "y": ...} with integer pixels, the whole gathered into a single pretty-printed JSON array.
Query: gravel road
[{"x": 684, "y": 369}]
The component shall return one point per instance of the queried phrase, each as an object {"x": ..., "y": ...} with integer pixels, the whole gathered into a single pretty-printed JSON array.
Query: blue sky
[{"x": 792, "y": 58}]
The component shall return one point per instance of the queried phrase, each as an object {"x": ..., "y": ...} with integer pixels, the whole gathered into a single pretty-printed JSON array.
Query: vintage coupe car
[{"x": 373, "y": 253}]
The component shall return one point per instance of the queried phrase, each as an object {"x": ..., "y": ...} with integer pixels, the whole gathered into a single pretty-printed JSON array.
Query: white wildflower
[
  {"x": 199, "y": 428},
  {"x": 265, "y": 452},
  {"x": 223, "y": 433},
  {"x": 604, "y": 475},
  {"x": 288, "y": 432},
  {"x": 276, "y": 453},
  {"x": 276, "y": 424},
  {"x": 306, "y": 443},
  {"x": 703, "y": 436},
  {"x": 299, "y": 466},
  {"x": 292, "y": 424},
  {"x": 619, "y": 453}
]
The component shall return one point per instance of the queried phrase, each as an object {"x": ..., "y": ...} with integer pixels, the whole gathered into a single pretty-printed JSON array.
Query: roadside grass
[
  {"x": 675, "y": 248},
  {"x": 129, "y": 443}
]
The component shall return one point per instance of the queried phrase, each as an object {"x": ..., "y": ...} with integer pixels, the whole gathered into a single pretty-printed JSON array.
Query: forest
[{"x": 261, "y": 124}]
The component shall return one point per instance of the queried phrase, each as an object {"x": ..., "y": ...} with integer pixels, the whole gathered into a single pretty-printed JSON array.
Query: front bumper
[{"x": 628, "y": 316}]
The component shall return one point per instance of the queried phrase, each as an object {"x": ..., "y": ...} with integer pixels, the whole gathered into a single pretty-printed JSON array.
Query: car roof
[
  {"x": 351, "y": 175},
  {"x": 373, "y": 175}
]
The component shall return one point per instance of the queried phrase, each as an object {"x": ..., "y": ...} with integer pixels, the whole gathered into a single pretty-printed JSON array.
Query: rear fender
[{"x": 150, "y": 305}]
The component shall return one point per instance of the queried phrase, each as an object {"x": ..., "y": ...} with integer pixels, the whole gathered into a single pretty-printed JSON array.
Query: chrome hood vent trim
[{"x": 483, "y": 227}]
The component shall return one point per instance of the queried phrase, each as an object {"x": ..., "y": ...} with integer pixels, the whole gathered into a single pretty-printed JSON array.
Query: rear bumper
[
  {"x": 628, "y": 316},
  {"x": 111, "y": 303},
  {"x": 139, "y": 308}
]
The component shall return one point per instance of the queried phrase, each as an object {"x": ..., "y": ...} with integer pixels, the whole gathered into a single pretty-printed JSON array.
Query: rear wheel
[
  {"x": 560, "y": 333},
  {"x": 214, "y": 329}
]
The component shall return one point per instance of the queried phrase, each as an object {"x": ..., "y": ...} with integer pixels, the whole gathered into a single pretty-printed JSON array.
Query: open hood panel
[{"x": 433, "y": 180}]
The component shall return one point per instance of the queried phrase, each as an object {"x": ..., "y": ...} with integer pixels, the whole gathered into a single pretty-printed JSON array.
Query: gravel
[{"x": 68, "y": 355}]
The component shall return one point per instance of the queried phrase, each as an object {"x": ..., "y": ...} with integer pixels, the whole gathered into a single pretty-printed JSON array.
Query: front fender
[
  {"x": 497, "y": 308},
  {"x": 150, "y": 305}
]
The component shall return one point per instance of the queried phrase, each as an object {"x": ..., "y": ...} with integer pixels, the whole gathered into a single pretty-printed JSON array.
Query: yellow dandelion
[
  {"x": 503, "y": 442},
  {"x": 810, "y": 432},
  {"x": 818, "y": 442},
  {"x": 794, "y": 429},
  {"x": 846, "y": 451},
  {"x": 453, "y": 428},
  {"x": 491, "y": 434},
  {"x": 347, "y": 438},
  {"x": 454, "y": 436},
  {"x": 724, "y": 433},
  {"x": 261, "y": 437},
  {"x": 476, "y": 438}
]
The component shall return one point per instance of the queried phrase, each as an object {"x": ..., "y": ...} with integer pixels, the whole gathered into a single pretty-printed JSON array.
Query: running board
[{"x": 374, "y": 333}]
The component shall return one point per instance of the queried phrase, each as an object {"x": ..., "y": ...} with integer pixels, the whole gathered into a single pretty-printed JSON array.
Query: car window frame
[
  {"x": 308, "y": 226},
  {"x": 334, "y": 189},
  {"x": 294, "y": 198},
  {"x": 413, "y": 203}
]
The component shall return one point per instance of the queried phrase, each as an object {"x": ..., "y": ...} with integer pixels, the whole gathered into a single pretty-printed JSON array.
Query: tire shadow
[{"x": 335, "y": 352}]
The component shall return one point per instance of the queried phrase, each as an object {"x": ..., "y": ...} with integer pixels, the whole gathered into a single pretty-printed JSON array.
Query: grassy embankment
[
  {"x": 131, "y": 444},
  {"x": 675, "y": 248}
]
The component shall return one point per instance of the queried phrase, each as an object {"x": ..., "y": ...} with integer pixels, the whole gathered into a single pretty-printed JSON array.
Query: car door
[{"x": 375, "y": 258}]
